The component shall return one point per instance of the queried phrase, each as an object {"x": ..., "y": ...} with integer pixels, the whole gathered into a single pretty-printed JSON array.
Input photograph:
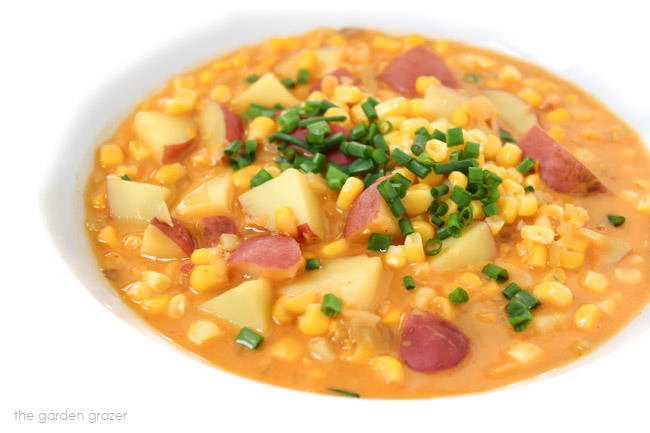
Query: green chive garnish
[
  {"x": 505, "y": 136},
  {"x": 616, "y": 220},
  {"x": 303, "y": 76},
  {"x": 455, "y": 137},
  {"x": 332, "y": 305},
  {"x": 288, "y": 83},
  {"x": 125, "y": 177},
  {"x": 490, "y": 209},
  {"x": 472, "y": 149},
  {"x": 511, "y": 290},
  {"x": 391, "y": 197},
  {"x": 461, "y": 196},
  {"x": 335, "y": 177},
  {"x": 409, "y": 283},
  {"x": 526, "y": 165},
  {"x": 496, "y": 273},
  {"x": 312, "y": 264},
  {"x": 459, "y": 296},
  {"x": 529, "y": 188},
  {"x": 432, "y": 246},
  {"x": 249, "y": 338},
  {"x": 472, "y": 78},
  {"x": 439, "y": 191},
  {"x": 379, "y": 242},
  {"x": 252, "y": 78},
  {"x": 344, "y": 392},
  {"x": 261, "y": 177},
  {"x": 406, "y": 227}
]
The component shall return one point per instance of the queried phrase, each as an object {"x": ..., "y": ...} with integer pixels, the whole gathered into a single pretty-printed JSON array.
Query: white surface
[{"x": 62, "y": 350}]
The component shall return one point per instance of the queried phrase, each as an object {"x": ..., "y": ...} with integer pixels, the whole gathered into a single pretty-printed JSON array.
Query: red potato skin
[
  {"x": 234, "y": 128},
  {"x": 364, "y": 210},
  {"x": 305, "y": 233},
  {"x": 273, "y": 256},
  {"x": 558, "y": 168},
  {"x": 175, "y": 152},
  {"x": 430, "y": 343},
  {"x": 401, "y": 73},
  {"x": 339, "y": 74},
  {"x": 213, "y": 227},
  {"x": 178, "y": 233}
]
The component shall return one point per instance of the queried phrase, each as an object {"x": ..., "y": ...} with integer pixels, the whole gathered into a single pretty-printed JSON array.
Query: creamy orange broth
[{"x": 603, "y": 142}]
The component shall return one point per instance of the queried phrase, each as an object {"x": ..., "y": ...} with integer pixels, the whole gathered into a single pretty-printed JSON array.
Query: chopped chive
[
  {"x": 360, "y": 165},
  {"x": 453, "y": 221},
  {"x": 457, "y": 155},
  {"x": 491, "y": 179},
  {"x": 288, "y": 83},
  {"x": 252, "y": 78},
  {"x": 373, "y": 130},
  {"x": 472, "y": 149},
  {"x": 380, "y": 143},
  {"x": 379, "y": 156},
  {"x": 282, "y": 136},
  {"x": 335, "y": 177},
  {"x": 526, "y": 298},
  {"x": 521, "y": 322},
  {"x": 385, "y": 126},
  {"x": 371, "y": 178},
  {"x": 447, "y": 231},
  {"x": 401, "y": 183},
  {"x": 369, "y": 110},
  {"x": 516, "y": 308},
  {"x": 391, "y": 197},
  {"x": 356, "y": 149},
  {"x": 439, "y": 135},
  {"x": 379, "y": 242},
  {"x": 426, "y": 160},
  {"x": 419, "y": 143},
  {"x": 288, "y": 120},
  {"x": 529, "y": 188},
  {"x": 409, "y": 283},
  {"x": 490, "y": 209},
  {"x": 438, "y": 208},
  {"x": 125, "y": 177},
  {"x": 472, "y": 78},
  {"x": 312, "y": 264},
  {"x": 432, "y": 246},
  {"x": 465, "y": 216},
  {"x": 459, "y": 296},
  {"x": 332, "y": 305},
  {"x": 285, "y": 165},
  {"x": 316, "y": 132},
  {"x": 406, "y": 227},
  {"x": 359, "y": 131},
  {"x": 439, "y": 191},
  {"x": 303, "y": 76},
  {"x": 477, "y": 190},
  {"x": 505, "y": 136},
  {"x": 233, "y": 147},
  {"x": 461, "y": 196},
  {"x": 249, "y": 338},
  {"x": 455, "y": 137},
  {"x": 437, "y": 221},
  {"x": 511, "y": 290},
  {"x": 261, "y": 177},
  {"x": 447, "y": 167},
  {"x": 496, "y": 273},
  {"x": 344, "y": 392},
  {"x": 616, "y": 220},
  {"x": 526, "y": 165},
  {"x": 475, "y": 175},
  {"x": 305, "y": 122}
]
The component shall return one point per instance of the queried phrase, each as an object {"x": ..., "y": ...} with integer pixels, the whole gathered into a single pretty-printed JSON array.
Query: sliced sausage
[
  {"x": 178, "y": 233},
  {"x": 558, "y": 168},
  {"x": 431, "y": 343},
  {"x": 401, "y": 73},
  {"x": 214, "y": 227},
  {"x": 339, "y": 73},
  {"x": 272, "y": 256}
]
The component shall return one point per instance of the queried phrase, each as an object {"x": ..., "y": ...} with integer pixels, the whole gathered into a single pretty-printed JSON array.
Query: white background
[{"x": 61, "y": 349}]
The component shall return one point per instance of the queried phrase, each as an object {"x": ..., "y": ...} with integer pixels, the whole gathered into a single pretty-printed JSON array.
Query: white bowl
[{"x": 63, "y": 202}]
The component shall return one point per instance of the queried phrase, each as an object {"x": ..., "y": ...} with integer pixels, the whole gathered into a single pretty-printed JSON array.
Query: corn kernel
[
  {"x": 170, "y": 173},
  {"x": 242, "y": 178},
  {"x": 392, "y": 317},
  {"x": 176, "y": 308},
  {"x": 608, "y": 306},
  {"x": 184, "y": 82},
  {"x": 286, "y": 221},
  {"x": 99, "y": 201},
  {"x": 417, "y": 201},
  {"x": 108, "y": 235},
  {"x": 594, "y": 281},
  {"x": 492, "y": 147},
  {"x": 389, "y": 368},
  {"x": 287, "y": 349},
  {"x": 313, "y": 323},
  {"x": 414, "y": 39},
  {"x": 419, "y": 108},
  {"x": 182, "y": 102},
  {"x": 477, "y": 210},
  {"x": 509, "y": 155},
  {"x": 570, "y": 259},
  {"x": 410, "y": 126},
  {"x": 110, "y": 154},
  {"x": 157, "y": 304},
  {"x": 527, "y": 205},
  {"x": 511, "y": 187},
  {"x": 628, "y": 275},
  {"x": 460, "y": 117},
  {"x": 131, "y": 171},
  {"x": 553, "y": 293},
  {"x": 220, "y": 65},
  {"x": 556, "y": 133},
  {"x": 307, "y": 59},
  {"x": 139, "y": 291},
  {"x": 336, "y": 40},
  {"x": 203, "y": 330},
  {"x": 413, "y": 248},
  {"x": 425, "y": 229},
  {"x": 292, "y": 42},
  {"x": 209, "y": 277},
  {"x": 539, "y": 234},
  {"x": 351, "y": 189},
  {"x": 280, "y": 313},
  {"x": 298, "y": 304},
  {"x": 394, "y": 107},
  {"x": 337, "y": 111},
  {"x": 538, "y": 256},
  {"x": 643, "y": 205},
  {"x": 221, "y": 93},
  {"x": 587, "y": 317},
  {"x": 335, "y": 248},
  {"x": 138, "y": 150},
  {"x": 559, "y": 115},
  {"x": 508, "y": 209},
  {"x": 530, "y": 96},
  {"x": 239, "y": 60},
  {"x": 437, "y": 150},
  {"x": 525, "y": 353},
  {"x": 157, "y": 281},
  {"x": 395, "y": 256},
  {"x": 423, "y": 82},
  {"x": 261, "y": 128},
  {"x": 348, "y": 94},
  {"x": 386, "y": 44},
  {"x": 443, "y": 307},
  {"x": 469, "y": 280},
  {"x": 510, "y": 73},
  {"x": 556, "y": 274},
  {"x": 203, "y": 256}
]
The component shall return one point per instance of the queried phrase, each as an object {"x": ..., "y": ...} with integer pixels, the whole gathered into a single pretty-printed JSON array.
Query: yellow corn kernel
[
  {"x": 406, "y": 173},
  {"x": 220, "y": 65},
  {"x": 643, "y": 205},
  {"x": 594, "y": 281},
  {"x": 424, "y": 228},
  {"x": 307, "y": 59},
  {"x": 348, "y": 94},
  {"x": 527, "y": 205},
  {"x": 221, "y": 93},
  {"x": 570, "y": 259},
  {"x": 492, "y": 147},
  {"x": 280, "y": 313},
  {"x": 357, "y": 115},
  {"x": 556, "y": 274},
  {"x": 409, "y": 126},
  {"x": 131, "y": 171},
  {"x": 386, "y": 44},
  {"x": 456, "y": 178},
  {"x": 336, "y": 40},
  {"x": 496, "y": 223},
  {"x": 261, "y": 128},
  {"x": 286, "y": 221},
  {"x": 108, "y": 235},
  {"x": 209, "y": 277},
  {"x": 417, "y": 201},
  {"x": 351, "y": 189},
  {"x": 182, "y": 102},
  {"x": 203, "y": 256},
  {"x": 414, "y": 39},
  {"x": 328, "y": 84},
  {"x": 509, "y": 155},
  {"x": 298, "y": 304},
  {"x": 509, "y": 73},
  {"x": 242, "y": 178},
  {"x": 469, "y": 280},
  {"x": 170, "y": 173},
  {"x": 395, "y": 256},
  {"x": 176, "y": 308},
  {"x": 390, "y": 369},
  {"x": 437, "y": 150},
  {"x": 557, "y": 133},
  {"x": 287, "y": 349},
  {"x": 628, "y": 275},
  {"x": 538, "y": 256},
  {"x": 157, "y": 304},
  {"x": 423, "y": 82},
  {"x": 157, "y": 281},
  {"x": 477, "y": 210},
  {"x": 394, "y": 107},
  {"x": 512, "y": 188},
  {"x": 275, "y": 44},
  {"x": 335, "y": 248},
  {"x": 441, "y": 47},
  {"x": 553, "y": 293},
  {"x": 184, "y": 82},
  {"x": 533, "y": 180},
  {"x": 443, "y": 307},
  {"x": 292, "y": 42},
  {"x": 558, "y": 115},
  {"x": 110, "y": 154},
  {"x": 206, "y": 76},
  {"x": 139, "y": 151},
  {"x": 418, "y": 108},
  {"x": 508, "y": 209},
  {"x": 525, "y": 353},
  {"x": 313, "y": 323},
  {"x": 530, "y": 96},
  {"x": 99, "y": 201},
  {"x": 139, "y": 291},
  {"x": 337, "y": 111},
  {"x": 460, "y": 117},
  {"x": 414, "y": 249},
  {"x": 608, "y": 306},
  {"x": 240, "y": 60},
  {"x": 543, "y": 235},
  {"x": 392, "y": 317},
  {"x": 587, "y": 317},
  {"x": 203, "y": 330}
]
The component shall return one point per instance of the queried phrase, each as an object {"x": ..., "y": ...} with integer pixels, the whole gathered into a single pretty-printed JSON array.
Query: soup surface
[{"x": 359, "y": 214}]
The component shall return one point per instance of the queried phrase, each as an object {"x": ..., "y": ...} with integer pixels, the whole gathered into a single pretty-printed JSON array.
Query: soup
[{"x": 358, "y": 214}]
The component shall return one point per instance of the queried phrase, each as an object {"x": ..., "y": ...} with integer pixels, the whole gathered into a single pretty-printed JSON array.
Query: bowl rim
[{"x": 93, "y": 123}]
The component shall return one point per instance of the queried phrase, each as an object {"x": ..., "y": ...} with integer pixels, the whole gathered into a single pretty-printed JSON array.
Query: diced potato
[
  {"x": 266, "y": 91},
  {"x": 442, "y": 100},
  {"x": 329, "y": 59},
  {"x": 475, "y": 246},
  {"x": 135, "y": 202},
  {"x": 213, "y": 197},
  {"x": 212, "y": 125},
  {"x": 167, "y": 136},
  {"x": 290, "y": 189},
  {"x": 515, "y": 111},
  {"x": 357, "y": 280},
  {"x": 525, "y": 353},
  {"x": 247, "y": 305}
]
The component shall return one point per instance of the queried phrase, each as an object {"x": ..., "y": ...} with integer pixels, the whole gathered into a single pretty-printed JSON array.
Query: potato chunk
[
  {"x": 266, "y": 91},
  {"x": 136, "y": 203},
  {"x": 211, "y": 198},
  {"x": 475, "y": 246},
  {"x": 247, "y": 305}
]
